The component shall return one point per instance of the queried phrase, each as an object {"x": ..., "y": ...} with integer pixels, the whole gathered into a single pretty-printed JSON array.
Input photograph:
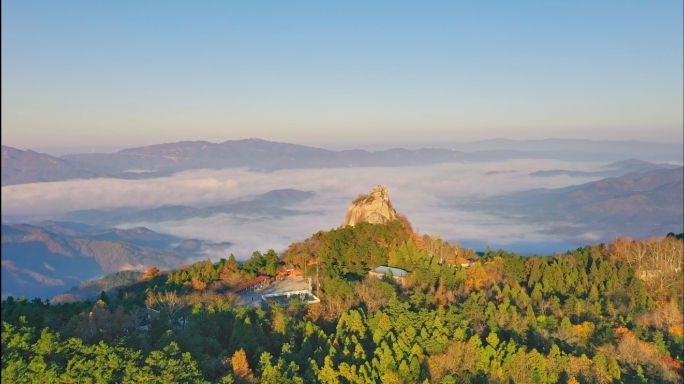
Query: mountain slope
[
  {"x": 19, "y": 167},
  {"x": 91, "y": 289},
  {"x": 41, "y": 262},
  {"x": 639, "y": 204},
  {"x": 138, "y": 236}
]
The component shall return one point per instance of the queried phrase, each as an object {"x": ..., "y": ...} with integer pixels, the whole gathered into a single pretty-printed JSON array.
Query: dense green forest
[{"x": 608, "y": 313}]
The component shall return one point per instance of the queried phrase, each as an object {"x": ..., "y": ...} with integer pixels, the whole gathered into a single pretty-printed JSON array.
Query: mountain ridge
[{"x": 162, "y": 160}]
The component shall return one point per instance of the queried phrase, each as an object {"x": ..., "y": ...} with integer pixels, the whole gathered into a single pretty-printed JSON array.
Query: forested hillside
[
  {"x": 43, "y": 261},
  {"x": 608, "y": 313}
]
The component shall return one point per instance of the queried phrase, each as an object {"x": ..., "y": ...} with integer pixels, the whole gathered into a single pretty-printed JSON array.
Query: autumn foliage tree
[
  {"x": 198, "y": 284},
  {"x": 229, "y": 269},
  {"x": 478, "y": 277},
  {"x": 437, "y": 248},
  {"x": 590, "y": 315},
  {"x": 658, "y": 262},
  {"x": 151, "y": 274},
  {"x": 241, "y": 371}
]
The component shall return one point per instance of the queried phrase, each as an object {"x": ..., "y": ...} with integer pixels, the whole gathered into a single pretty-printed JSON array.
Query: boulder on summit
[{"x": 374, "y": 208}]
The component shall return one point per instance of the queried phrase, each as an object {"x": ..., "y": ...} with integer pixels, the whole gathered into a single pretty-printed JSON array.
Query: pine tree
[
  {"x": 209, "y": 271},
  {"x": 269, "y": 373},
  {"x": 104, "y": 297},
  {"x": 243, "y": 335}
]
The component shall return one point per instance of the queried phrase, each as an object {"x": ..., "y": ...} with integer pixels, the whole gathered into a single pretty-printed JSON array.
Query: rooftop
[
  {"x": 397, "y": 272},
  {"x": 260, "y": 279}
]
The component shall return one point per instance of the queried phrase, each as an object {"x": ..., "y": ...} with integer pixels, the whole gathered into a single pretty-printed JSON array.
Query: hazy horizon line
[{"x": 109, "y": 149}]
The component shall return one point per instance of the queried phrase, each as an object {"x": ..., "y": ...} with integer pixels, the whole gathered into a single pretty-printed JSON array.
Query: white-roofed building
[{"x": 381, "y": 271}]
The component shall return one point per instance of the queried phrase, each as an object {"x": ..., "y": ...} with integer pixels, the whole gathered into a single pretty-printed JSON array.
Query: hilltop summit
[{"x": 374, "y": 208}]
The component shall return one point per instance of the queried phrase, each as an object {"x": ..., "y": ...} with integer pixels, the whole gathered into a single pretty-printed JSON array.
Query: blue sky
[{"x": 78, "y": 73}]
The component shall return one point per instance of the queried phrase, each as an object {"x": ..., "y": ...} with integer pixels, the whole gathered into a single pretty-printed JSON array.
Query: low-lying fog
[{"x": 415, "y": 192}]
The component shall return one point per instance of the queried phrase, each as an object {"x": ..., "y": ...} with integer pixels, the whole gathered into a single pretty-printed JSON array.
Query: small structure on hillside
[
  {"x": 283, "y": 298},
  {"x": 288, "y": 270},
  {"x": 150, "y": 313},
  {"x": 465, "y": 263},
  {"x": 145, "y": 317},
  {"x": 381, "y": 271},
  {"x": 251, "y": 285}
]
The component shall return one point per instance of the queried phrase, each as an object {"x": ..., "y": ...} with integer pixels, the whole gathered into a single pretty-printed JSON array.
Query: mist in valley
[{"x": 422, "y": 193}]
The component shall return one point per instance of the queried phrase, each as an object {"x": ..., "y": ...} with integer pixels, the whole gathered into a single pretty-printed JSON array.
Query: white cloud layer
[{"x": 415, "y": 192}]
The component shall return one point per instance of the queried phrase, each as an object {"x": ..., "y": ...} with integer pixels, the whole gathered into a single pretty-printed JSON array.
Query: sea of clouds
[{"x": 418, "y": 192}]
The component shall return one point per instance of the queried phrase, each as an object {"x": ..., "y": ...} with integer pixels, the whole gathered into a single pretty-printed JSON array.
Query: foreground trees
[
  {"x": 587, "y": 316},
  {"x": 31, "y": 358},
  {"x": 659, "y": 262}
]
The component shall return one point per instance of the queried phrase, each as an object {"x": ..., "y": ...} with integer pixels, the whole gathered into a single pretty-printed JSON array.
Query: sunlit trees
[
  {"x": 229, "y": 268},
  {"x": 241, "y": 371},
  {"x": 262, "y": 264},
  {"x": 659, "y": 262},
  {"x": 152, "y": 273},
  {"x": 373, "y": 293},
  {"x": 439, "y": 249},
  {"x": 585, "y": 316},
  {"x": 169, "y": 303},
  {"x": 478, "y": 277}
]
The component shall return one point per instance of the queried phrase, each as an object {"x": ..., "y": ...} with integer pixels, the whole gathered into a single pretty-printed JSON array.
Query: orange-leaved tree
[
  {"x": 152, "y": 273},
  {"x": 478, "y": 277},
  {"x": 241, "y": 371}
]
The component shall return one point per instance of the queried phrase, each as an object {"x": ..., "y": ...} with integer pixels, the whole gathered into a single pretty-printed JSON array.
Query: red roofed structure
[{"x": 251, "y": 285}]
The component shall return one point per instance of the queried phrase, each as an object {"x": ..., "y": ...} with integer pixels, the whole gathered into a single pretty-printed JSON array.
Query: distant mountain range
[
  {"x": 268, "y": 204},
  {"x": 638, "y": 204},
  {"x": 651, "y": 151},
  {"x": 161, "y": 160},
  {"x": 616, "y": 169},
  {"x": 22, "y": 167},
  {"x": 19, "y": 167},
  {"x": 46, "y": 259},
  {"x": 610, "y": 149}
]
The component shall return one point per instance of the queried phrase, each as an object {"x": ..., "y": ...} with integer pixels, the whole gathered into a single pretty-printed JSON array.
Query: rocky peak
[{"x": 374, "y": 208}]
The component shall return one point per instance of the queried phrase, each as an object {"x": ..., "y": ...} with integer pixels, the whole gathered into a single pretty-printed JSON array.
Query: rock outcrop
[{"x": 374, "y": 208}]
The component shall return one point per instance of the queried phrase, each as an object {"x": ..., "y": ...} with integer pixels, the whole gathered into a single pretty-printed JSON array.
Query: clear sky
[{"x": 82, "y": 73}]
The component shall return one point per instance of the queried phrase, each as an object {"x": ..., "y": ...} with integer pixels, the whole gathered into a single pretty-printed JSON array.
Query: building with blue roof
[{"x": 382, "y": 270}]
